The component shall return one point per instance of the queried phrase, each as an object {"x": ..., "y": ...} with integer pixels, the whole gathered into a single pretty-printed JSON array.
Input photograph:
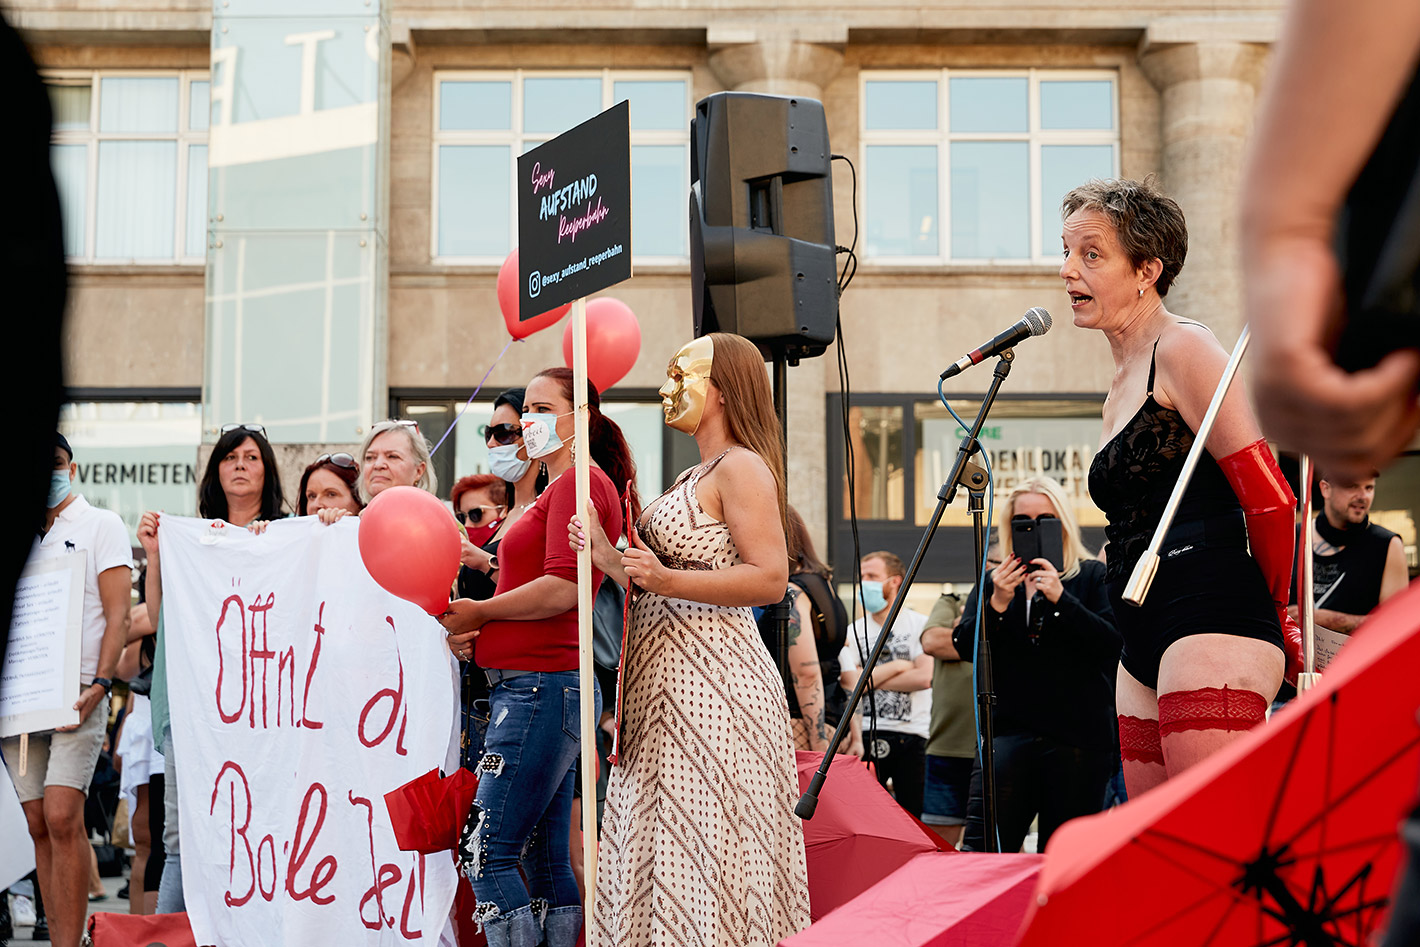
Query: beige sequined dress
[{"x": 700, "y": 845}]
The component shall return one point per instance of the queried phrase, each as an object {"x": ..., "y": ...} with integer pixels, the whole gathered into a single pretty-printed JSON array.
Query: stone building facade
[{"x": 965, "y": 121}]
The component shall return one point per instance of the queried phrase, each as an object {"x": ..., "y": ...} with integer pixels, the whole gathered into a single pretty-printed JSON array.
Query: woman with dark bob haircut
[
  {"x": 242, "y": 486},
  {"x": 1205, "y": 654}
]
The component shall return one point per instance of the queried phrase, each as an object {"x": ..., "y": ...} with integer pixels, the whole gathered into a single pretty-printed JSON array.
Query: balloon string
[{"x": 472, "y": 396}]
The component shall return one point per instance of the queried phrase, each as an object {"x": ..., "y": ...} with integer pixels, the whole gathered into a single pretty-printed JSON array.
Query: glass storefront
[{"x": 135, "y": 456}]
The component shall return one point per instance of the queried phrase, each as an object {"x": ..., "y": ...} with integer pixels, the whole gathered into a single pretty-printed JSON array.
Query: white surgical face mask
[
  {"x": 59, "y": 486},
  {"x": 540, "y": 436},
  {"x": 505, "y": 464}
]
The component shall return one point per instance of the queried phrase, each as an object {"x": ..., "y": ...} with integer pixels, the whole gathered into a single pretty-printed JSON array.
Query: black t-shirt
[{"x": 1349, "y": 580}]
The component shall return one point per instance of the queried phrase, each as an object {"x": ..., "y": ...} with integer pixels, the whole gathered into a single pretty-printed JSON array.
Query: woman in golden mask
[{"x": 700, "y": 840}]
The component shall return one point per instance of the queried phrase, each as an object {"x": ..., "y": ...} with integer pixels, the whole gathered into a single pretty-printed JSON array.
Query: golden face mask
[{"x": 688, "y": 384}]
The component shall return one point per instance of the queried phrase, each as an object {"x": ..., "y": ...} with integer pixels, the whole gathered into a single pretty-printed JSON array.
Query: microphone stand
[{"x": 963, "y": 473}]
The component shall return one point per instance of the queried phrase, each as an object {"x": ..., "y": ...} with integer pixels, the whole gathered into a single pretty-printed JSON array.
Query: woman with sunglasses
[
  {"x": 1054, "y": 650},
  {"x": 240, "y": 484},
  {"x": 395, "y": 454},
  {"x": 527, "y": 639},
  {"x": 479, "y": 505},
  {"x": 328, "y": 488}
]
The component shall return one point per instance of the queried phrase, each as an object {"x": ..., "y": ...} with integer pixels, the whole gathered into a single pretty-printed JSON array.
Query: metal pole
[
  {"x": 586, "y": 682},
  {"x": 1308, "y": 678},
  {"x": 1137, "y": 588}
]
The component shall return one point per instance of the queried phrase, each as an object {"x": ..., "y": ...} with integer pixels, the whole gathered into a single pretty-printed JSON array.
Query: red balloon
[
  {"x": 410, "y": 545},
  {"x": 508, "y": 302},
  {"x": 613, "y": 341}
]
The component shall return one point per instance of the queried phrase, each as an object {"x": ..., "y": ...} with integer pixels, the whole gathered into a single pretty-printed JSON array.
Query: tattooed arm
[{"x": 811, "y": 731}]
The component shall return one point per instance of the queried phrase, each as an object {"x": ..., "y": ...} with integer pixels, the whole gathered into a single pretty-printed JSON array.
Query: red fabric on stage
[
  {"x": 1312, "y": 800},
  {"x": 938, "y": 899},
  {"x": 125, "y": 930},
  {"x": 858, "y": 835}
]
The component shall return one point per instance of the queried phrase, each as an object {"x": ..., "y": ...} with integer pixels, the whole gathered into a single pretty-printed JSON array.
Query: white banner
[
  {"x": 300, "y": 694},
  {"x": 39, "y": 677}
]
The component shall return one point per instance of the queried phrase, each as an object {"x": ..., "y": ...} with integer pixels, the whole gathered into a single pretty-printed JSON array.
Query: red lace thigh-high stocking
[{"x": 1196, "y": 723}]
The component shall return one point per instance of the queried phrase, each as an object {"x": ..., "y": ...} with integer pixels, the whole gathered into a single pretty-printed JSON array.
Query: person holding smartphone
[{"x": 1054, "y": 647}]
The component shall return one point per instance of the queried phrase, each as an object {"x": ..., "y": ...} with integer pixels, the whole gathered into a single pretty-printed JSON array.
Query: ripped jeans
[{"x": 523, "y": 812}]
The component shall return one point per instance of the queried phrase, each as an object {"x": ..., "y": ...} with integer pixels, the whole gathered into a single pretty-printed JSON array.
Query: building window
[
  {"x": 484, "y": 120},
  {"x": 903, "y": 449},
  {"x": 129, "y": 153},
  {"x": 135, "y": 456},
  {"x": 970, "y": 166}
]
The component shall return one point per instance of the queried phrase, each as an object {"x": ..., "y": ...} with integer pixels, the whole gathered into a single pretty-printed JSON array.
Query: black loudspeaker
[{"x": 762, "y": 258}]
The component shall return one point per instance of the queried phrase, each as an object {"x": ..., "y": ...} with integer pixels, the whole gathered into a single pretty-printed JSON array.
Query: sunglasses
[
  {"x": 474, "y": 516},
  {"x": 1022, "y": 518},
  {"x": 503, "y": 434},
  {"x": 383, "y": 426},
  {"x": 253, "y": 428},
  {"x": 339, "y": 459}
]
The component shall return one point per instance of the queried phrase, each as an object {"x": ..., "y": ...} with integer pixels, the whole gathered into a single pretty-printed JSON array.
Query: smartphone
[{"x": 1038, "y": 539}]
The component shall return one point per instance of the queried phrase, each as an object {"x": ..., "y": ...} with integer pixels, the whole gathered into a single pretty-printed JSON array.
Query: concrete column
[
  {"x": 1209, "y": 89},
  {"x": 800, "y": 61}
]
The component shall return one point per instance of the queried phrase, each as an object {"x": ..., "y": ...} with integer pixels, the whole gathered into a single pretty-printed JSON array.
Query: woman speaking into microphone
[{"x": 1205, "y": 654}]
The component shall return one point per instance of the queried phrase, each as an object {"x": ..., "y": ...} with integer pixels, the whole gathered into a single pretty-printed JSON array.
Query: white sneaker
[{"x": 22, "y": 911}]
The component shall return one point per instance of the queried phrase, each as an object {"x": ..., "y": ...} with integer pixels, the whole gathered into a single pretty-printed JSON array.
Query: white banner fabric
[{"x": 300, "y": 693}]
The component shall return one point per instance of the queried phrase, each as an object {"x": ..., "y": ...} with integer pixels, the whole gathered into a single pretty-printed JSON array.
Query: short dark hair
[
  {"x": 212, "y": 501},
  {"x": 1149, "y": 224}
]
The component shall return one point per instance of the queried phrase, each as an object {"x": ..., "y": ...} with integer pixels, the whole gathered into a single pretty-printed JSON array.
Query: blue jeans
[
  {"x": 523, "y": 813},
  {"x": 170, "y": 894}
]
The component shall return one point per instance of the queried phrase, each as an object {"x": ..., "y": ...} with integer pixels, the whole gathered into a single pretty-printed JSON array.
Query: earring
[
  {"x": 573, "y": 451},
  {"x": 1141, "y": 292}
]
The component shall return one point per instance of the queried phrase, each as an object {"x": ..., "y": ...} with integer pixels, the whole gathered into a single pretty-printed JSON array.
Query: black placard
[{"x": 574, "y": 213}]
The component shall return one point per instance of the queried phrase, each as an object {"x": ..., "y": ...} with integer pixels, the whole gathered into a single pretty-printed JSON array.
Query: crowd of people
[{"x": 718, "y": 687}]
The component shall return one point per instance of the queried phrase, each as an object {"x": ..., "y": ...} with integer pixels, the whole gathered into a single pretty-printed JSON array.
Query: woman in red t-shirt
[{"x": 527, "y": 639}]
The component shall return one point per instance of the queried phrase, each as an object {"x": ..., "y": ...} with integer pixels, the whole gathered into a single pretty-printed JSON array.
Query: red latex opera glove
[{"x": 1270, "y": 508}]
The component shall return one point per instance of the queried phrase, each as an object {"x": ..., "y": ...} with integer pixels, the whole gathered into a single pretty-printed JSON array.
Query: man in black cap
[{"x": 61, "y": 762}]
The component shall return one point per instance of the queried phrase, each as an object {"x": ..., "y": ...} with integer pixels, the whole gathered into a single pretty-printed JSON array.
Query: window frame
[
  {"x": 90, "y": 138},
  {"x": 517, "y": 140},
  {"x": 942, "y": 138},
  {"x": 949, "y": 556}
]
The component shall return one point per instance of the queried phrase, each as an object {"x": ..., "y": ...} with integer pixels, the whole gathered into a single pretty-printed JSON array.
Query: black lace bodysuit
[
  {"x": 1206, "y": 582},
  {"x": 1133, "y": 475}
]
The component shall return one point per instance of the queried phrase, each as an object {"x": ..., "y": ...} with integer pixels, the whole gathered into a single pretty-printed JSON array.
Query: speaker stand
[{"x": 780, "y": 613}]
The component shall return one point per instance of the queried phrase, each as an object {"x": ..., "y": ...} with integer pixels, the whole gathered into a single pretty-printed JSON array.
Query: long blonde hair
[
  {"x": 1051, "y": 489},
  {"x": 738, "y": 371}
]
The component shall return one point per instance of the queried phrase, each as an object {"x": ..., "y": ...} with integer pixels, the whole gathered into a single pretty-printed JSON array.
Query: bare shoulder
[
  {"x": 1189, "y": 362},
  {"x": 1184, "y": 342},
  {"x": 744, "y": 468}
]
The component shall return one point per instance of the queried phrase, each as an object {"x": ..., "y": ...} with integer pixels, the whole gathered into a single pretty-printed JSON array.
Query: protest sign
[
  {"x": 15, "y": 839},
  {"x": 301, "y": 693},
  {"x": 39, "y": 680},
  {"x": 574, "y": 213}
]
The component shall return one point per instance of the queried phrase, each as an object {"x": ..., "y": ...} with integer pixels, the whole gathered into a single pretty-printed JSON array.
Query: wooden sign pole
[{"x": 585, "y": 593}]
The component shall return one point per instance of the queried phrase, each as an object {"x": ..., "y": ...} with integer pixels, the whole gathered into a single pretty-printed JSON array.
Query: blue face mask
[
  {"x": 540, "y": 436},
  {"x": 505, "y": 463},
  {"x": 873, "y": 599},
  {"x": 59, "y": 485}
]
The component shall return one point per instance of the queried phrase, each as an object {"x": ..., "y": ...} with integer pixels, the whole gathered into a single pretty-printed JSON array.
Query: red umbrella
[
  {"x": 858, "y": 835},
  {"x": 1288, "y": 836},
  {"x": 935, "y": 900}
]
